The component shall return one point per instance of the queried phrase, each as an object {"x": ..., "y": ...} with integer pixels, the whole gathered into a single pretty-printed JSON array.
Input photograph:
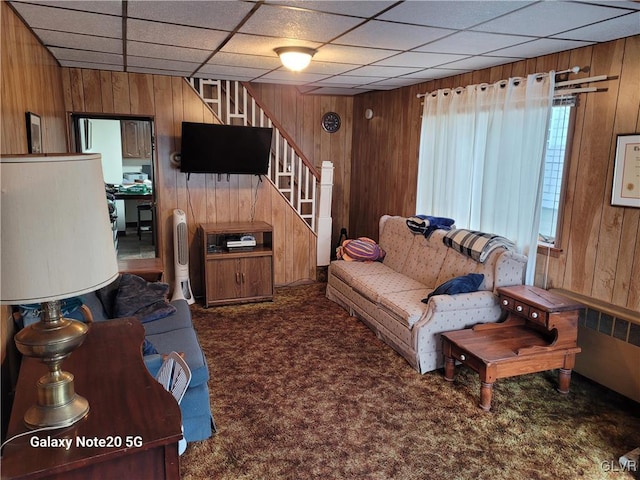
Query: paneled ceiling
[{"x": 361, "y": 45}]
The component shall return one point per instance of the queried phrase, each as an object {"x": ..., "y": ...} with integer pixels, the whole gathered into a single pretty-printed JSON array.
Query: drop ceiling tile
[
  {"x": 279, "y": 21},
  {"x": 86, "y": 56},
  {"x": 153, "y": 50},
  {"x": 230, "y": 77},
  {"x": 159, "y": 71},
  {"x": 223, "y": 70},
  {"x": 257, "y": 45},
  {"x": 629, "y": 4},
  {"x": 382, "y": 71},
  {"x": 70, "y": 20},
  {"x": 479, "y": 62},
  {"x": 337, "y": 91},
  {"x": 351, "y": 55},
  {"x": 539, "y": 47},
  {"x": 349, "y": 80},
  {"x": 298, "y": 78},
  {"x": 472, "y": 43},
  {"x": 458, "y": 15},
  {"x": 329, "y": 68},
  {"x": 393, "y": 83},
  {"x": 432, "y": 73},
  {"x": 110, "y": 7},
  {"x": 222, "y": 15},
  {"x": 161, "y": 63},
  {"x": 358, "y": 8},
  {"x": 51, "y": 38},
  {"x": 92, "y": 66},
  {"x": 244, "y": 60},
  {"x": 625, "y": 26},
  {"x": 168, "y": 34},
  {"x": 558, "y": 17},
  {"x": 420, "y": 59},
  {"x": 393, "y": 36}
]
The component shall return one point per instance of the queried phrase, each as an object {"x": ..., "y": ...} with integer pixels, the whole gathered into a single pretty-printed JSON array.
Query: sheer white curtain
[{"x": 481, "y": 158}]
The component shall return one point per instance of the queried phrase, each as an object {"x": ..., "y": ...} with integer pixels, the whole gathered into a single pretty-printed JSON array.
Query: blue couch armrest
[{"x": 153, "y": 363}]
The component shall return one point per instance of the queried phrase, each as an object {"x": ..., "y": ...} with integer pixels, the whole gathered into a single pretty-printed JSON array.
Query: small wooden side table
[
  {"x": 151, "y": 269},
  {"x": 540, "y": 333}
]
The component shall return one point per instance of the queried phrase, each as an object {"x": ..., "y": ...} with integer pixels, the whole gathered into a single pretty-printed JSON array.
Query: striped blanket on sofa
[{"x": 474, "y": 244}]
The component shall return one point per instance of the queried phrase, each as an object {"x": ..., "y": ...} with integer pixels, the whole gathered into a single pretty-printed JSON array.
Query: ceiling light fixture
[{"x": 295, "y": 58}]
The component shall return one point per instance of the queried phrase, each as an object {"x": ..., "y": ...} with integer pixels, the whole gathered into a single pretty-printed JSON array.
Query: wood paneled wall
[
  {"x": 300, "y": 115},
  {"x": 31, "y": 82},
  {"x": 204, "y": 198},
  {"x": 600, "y": 253}
]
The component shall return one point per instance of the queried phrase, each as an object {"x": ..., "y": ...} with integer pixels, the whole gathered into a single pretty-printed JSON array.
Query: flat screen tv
[{"x": 211, "y": 148}]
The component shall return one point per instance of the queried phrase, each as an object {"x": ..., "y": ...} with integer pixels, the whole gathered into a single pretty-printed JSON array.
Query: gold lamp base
[{"x": 52, "y": 340}]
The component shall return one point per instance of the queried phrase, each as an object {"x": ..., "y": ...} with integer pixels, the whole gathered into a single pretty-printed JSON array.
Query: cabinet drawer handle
[
  {"x": 505, "y": 302},
  {"x": 519, "y": 308},
  {"x": 463, "y": 357},
  {"x": 242, "y": 277},
  {"x": 237, "y": 277},
  {"x": 534, "y": 315}
]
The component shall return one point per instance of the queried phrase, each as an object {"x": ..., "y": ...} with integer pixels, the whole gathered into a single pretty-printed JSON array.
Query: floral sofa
[{"x": 388, "y": 296}]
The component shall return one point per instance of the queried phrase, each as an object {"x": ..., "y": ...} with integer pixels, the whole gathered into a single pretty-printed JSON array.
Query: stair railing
[{"x": 295, "y": 177}]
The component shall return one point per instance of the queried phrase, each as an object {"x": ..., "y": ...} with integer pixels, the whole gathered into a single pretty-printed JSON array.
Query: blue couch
[{"x": 174, "y": 332}]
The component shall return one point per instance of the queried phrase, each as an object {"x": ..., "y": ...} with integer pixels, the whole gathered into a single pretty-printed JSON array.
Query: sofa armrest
[
  {"x": 509, "y": 270},
  {"x": 462, "y": 301},
  {"x": 153, "y": 363},
  {"x": 452, "y": 312}
]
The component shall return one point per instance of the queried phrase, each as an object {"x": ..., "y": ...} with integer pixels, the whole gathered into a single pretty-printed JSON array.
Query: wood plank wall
[
  {"x": 33, "y": 81},
  {"x": 300, "y": 115},
  {"x": 204, "y": 198},
  {"x": 600, "y": 255}
]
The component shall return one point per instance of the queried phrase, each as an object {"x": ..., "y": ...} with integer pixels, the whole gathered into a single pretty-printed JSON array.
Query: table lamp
[{"x": 57, "y": 243}]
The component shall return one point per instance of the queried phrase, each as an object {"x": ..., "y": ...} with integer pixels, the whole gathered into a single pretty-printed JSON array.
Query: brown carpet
[{"x": 300, "y": 390}]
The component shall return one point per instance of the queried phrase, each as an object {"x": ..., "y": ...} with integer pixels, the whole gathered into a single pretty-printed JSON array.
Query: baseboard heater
[{"x": 610, "y": 340}]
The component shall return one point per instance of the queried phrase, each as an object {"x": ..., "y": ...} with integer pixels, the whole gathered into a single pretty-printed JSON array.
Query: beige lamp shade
[{"x": 56, "y": 239}]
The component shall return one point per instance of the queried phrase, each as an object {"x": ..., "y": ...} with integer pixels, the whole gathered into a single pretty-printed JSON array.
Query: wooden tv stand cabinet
[
  {"x": 130, "y": 413},
  {"x": 540, "y": 333},
  {"x": 237, "y": 275}
]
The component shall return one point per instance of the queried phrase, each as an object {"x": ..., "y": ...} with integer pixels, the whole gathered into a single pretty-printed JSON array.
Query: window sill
[{"x": 549, "y": 249}]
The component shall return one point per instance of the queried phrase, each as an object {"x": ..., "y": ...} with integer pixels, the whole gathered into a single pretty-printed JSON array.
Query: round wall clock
[{"x": 331, "y": 122}]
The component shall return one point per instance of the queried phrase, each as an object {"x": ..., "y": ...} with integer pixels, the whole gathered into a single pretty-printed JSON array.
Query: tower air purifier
[{"x": 181, "y": 286}]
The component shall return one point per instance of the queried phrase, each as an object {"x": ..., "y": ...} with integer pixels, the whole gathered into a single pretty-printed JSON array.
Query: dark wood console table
[
  {"x": 130, "y": 413},
  {"x": 540, "y": 333}
]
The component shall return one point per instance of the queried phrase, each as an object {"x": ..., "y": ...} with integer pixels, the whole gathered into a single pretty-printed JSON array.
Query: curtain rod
[{"x": 575, "y": 69}]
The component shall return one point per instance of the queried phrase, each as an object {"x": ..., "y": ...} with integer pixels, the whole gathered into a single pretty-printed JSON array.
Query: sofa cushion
[
  {"x": 405, "y": 305},
  {"x": 141, "y": 299},
  {"x": 180, "y": 319},
  {"x": 425, "y": 259},
  {"x": 456, "y": 264},
  {"x": 396, "y": 240},
  {"x": 348, "y": 271},
  {"x": 463, "y": 284},
  {"x": 373, "y": 286}
]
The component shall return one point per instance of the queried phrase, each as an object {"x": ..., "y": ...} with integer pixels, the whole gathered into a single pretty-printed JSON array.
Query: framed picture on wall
[
  {"x": 34, "y": 133},
  {"x": 626, "y": 173}
]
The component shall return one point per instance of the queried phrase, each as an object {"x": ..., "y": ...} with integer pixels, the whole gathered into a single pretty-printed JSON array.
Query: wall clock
[{"x": 331, "y": 122}]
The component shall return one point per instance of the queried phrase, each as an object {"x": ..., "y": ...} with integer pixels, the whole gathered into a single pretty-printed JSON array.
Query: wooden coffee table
[{"x": 540, "y": 333}]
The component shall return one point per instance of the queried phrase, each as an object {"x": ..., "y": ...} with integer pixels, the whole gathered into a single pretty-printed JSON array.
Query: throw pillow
[
  {"x": 464, "y": 284},
  {"x": 145, "y": 300},
  {"x": 361, "y": 249}
]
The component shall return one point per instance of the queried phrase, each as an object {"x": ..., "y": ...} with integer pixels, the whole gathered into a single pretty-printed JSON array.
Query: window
[{"x": 558, "y": 143}]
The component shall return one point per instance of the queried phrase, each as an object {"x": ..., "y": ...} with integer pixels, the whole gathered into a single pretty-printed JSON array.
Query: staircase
[{"x": 295, "y": 177}]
